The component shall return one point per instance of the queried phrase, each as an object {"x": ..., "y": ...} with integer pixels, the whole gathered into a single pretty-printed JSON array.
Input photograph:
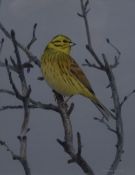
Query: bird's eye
[{"x": 65, "y": 41}]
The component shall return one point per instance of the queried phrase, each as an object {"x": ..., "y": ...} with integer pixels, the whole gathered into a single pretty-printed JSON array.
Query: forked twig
[
  {"x": 127, "y": 97},
  {"x": 34, "y": 38}
]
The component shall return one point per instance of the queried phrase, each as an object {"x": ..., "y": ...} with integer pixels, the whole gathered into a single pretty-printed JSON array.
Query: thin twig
[
  {"x": 116, "y": 58},
  {"x": 16, "y": 157},
  {"x": 84, "y": 7},
  {"x": 91, "y": 65},
  {"x": 34, "y": 103},
  {"x": 4, "y": 144},
  {"x": 113, "y": 46},
  {"x": 34, "y": 38},
  {"x": 127, "y": 97},
  {"x": 71, "y": 108},
  {"x": 17, "y": 93},
  {"x": 31, "y": 57},
  {"x": 32, "y": 41},
  {"x": 1, "y": 44},
  {"x": 79, "y": 143},
  {"x": 13, "y": 68},
  {"x": 89, "y": 47},
  {"x": 106, "y": 124},
  {"x": 6, "y": 107}
]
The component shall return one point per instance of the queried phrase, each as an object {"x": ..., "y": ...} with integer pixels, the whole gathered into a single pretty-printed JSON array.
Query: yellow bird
[{"x": 64, "y": 75}]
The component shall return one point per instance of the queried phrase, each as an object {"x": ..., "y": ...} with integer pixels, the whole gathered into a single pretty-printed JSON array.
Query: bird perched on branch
[{"x": 64, "y": 75}]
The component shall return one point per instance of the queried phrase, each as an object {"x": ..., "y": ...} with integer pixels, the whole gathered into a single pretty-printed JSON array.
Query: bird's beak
[{"x": 72, "y": 44}]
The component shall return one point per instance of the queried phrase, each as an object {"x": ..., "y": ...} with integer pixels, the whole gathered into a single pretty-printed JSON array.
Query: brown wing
[{"x": 78, "y": 73}]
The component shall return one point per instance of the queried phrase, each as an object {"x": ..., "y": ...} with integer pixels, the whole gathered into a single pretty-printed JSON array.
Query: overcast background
[{"x": 108, "y": 18}]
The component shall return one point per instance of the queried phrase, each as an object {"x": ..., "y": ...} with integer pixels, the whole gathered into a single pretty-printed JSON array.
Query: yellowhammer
[{"x": 64, "y": 75}]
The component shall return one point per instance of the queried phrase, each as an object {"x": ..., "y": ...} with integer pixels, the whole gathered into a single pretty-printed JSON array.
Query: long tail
[{"x": 105, "y": 112}]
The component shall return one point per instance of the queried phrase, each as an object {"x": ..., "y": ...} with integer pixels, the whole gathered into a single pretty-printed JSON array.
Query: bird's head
[{"x": 61, "y": 43}]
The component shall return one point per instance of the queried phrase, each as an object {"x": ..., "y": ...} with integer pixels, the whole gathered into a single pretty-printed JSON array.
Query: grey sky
[{"x": 113, "y": 19}]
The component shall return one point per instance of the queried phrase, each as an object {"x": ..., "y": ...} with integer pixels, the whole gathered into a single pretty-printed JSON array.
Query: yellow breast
[{"x": 57, "y": 76}]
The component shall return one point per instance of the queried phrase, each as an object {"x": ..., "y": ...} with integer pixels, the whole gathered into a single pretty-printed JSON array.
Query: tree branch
[
  {"x": 115, "y": 96},
  {"x": 36, "y": 104},
  {"x": 91, "y": 65},
  {"x": 67, "y": 144},
  {"x": 24, "y": 96},
  {"x": 31, "y": 57}
]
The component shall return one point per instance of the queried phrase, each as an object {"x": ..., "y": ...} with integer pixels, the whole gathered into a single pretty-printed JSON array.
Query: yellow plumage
[{"x": 64, "y": 75}]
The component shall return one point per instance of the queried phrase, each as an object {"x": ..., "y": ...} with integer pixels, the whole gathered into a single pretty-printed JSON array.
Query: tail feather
[{"x": 105, "y": 112}]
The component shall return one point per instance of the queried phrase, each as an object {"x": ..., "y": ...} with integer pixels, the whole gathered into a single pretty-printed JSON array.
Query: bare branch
[
  {"x": 67, "y": 144},
  {"x": 6, "y": 91},
  {"x": 4, "y": 144},
  {"x": 17, "y": 93},
  {"x": 31, "y": 57},
  {"x": 91, "y": 65},
  {"x": 113, "y": 46},
  {"x": 13, "y": 68},
  {"x": 1, "y": 44},
  {"x": 16, "y": 157},
  {"x": 34, "y": 38},
  {"x": 119, "y": 122},
  {"x": 3, "y": 108},
  {"x": 89, "y": 45},
  {"x": 84, "y": 15},
  {"x": 93, "y": 53},
  {"x": 19, "y": 64},
  {"x": 115, "y": 96},
  {"x": 71, "y": 108},
  {"x": 79, "y": 144},
  {"x": 116, "y": 58},
  {"x": 127, "y": 97},
  {"x": 44, "y": 106},
  {"x": 24, "y": 97},
  {"x": 35, "y": 104},
  {"x": 106, "y": 124}
]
